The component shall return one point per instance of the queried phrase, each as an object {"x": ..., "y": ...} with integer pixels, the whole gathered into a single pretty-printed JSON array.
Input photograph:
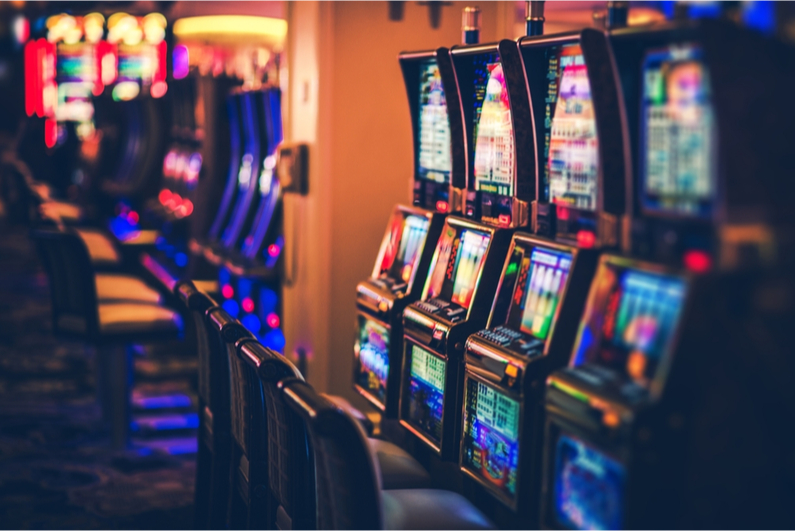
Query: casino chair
[
  {"x": 349, "y": 488},
  {"x": 110, "y": 312},
  {"x": 250, "y": 505},
  {"x": 213, "y": 458}
]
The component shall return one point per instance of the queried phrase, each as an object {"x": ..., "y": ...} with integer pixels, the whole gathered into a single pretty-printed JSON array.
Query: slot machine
[
  {"x": 630, "y": 438},
  {"x": 411, "y": 235},
  {"x": 465, "y": 269},
  {"x": 544, "y": 281}
]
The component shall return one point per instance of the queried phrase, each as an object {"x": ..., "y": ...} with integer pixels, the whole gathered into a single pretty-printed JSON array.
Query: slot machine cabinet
[
  {"x": 705, "y": 137},
  {"x": 500, "y": 163},
  {"x": 580, "y": 138},
  {"x": 499, "y": 134},
  {"x": 536, "y": 311},
  {"x": 407, "y": 247},
  {"x": 530, "y": 331}
]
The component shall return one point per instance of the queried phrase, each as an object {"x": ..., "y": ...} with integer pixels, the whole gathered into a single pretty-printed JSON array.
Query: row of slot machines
[
  {"x": 220, "y": 225},
  {"x": 591, "y": 213}
]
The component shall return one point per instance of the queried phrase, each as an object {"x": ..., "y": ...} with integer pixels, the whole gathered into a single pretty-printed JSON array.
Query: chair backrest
[
  {"x": 290, "y": 460},
  {"x": 72, "y": 286},
  {"x": 348, "y": 484},
  {"x": 245, "y": 392},
  {"x": 207, "y": 341}
]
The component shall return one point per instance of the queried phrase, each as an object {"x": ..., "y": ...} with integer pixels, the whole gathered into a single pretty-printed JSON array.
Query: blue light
[
  {"x": 274, "y": 340},
  {"x": 224, "y": 277},
  {"x": 244, "y": 287},
  {"x": 268, "y": 301},
  {"x": 231, "y": 307},
  {"x": 252, "y": 322},
  {"x": 760, "y": 16},
  {"x": 181, "y": 259}
]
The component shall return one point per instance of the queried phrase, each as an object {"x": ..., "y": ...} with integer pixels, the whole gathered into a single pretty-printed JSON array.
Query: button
[
  {"x": 383, "y": 305},
  {"x": 438, "y": 334}
]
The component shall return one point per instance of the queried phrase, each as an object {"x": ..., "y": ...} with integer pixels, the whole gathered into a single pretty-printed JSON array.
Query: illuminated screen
[
  {"x": 493, "y": 129},
  {"x": 426, "y": 392},
  {"x": 372, "y": 348},
  {"x": 589, "y": 486},
  {"x": 457, "y": 265},
  {"x": 435, "y": 158},
  {"x": 76, "y": 73},
  {"x": 540, "y": 286},
  {"x": 491, "y": 436},
  {"x": 630, "y": 320},
  {"x": 404, "y": 246},
  {"x": 570, "y": 130},
  {"x": 677, "y": 134}
]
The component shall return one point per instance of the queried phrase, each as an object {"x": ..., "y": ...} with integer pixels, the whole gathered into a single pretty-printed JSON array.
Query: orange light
[
  {"x": 442, "y": 206},
  {"x": 248, "y": 305},
  {"x": 611, "y": 419},
  {"x": 586, "y": 239},
  {"x": 697, "y": 261},
  {"x": 227, "y": 291}
]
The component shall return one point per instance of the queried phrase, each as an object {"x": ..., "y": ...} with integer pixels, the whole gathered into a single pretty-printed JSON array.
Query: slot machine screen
[
  {"x": 540, "y": 285},
  {"x": 457, "y": 265},
  {"x": 492, "y": 134},
  {"x": 75, "y": 73},
  {"x": 426, "y": 392},
  {"x": 570, "y": 140},
  {"x": 372, "y": 349},
  {"x": 630, "y": 319},
  {"x": 403, "y": 249},
  {"x": 491, "y": 436},
  {"x": 588, "y": 486},
  {"x": 677, "y": 135},
  {"x": 435, "y": 148}
]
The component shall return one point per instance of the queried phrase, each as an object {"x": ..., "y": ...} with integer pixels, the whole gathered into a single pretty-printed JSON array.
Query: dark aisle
[{"x": 56, "y": 467}]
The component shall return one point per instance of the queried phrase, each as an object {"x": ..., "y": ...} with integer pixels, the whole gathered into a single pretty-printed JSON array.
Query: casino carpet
[{"x": 57, "y": 470}]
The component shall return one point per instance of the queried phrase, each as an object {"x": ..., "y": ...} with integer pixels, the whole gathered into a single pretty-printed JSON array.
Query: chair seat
[
  {"x": 131, "y": 318},
  {"x": 399, "y": 470},
  {"x": 60, "y": 211},
  {"x": 430, "y": 509},
  {"x": 114, "y": 288},
  {"x": 100, "y": 247}
]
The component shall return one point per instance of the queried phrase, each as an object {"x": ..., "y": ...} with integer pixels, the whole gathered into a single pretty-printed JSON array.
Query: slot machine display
[
  {"x": 622, "y": 443},
  {"x": 582, "y": 171},
  {"x": 544, "y": 282},
  {"x": 471, "y": 250},
  {"x": 407, "y": 247}
]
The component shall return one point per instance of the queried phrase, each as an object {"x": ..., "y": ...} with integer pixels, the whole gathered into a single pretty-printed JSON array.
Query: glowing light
[
  {"x": 93, "y": 25},
  {"x": 697, "y": 261},
  {"x": 187, "y": 205},
  {"x": 228, "y": 291},
  {"x": 125, "y": 91},
  {"x": 164, "y": 196},
  {"x": 50, "y": 132},
  {"x": 154, "y": 28},
  {"x": 21, "y": 29},
  {"x": 248, "y": 305},
  {"x": 181, "y": 259},
  {"x": 562, "y": 213},
  {"x": 231, "y": 307},
  {"x": 442, "y": 206},
  {"x": 132, "y": 217},
  {"x": 159, "y": 89},
  {"x": 234, "y": 28},
  {"x": 180, "y": 61},
  {"x": 273, "y": 320},
  {"x": 586, "y": 239},
  {"x": 108, "y": 66},
  {"x": 273, "y": 250},
  {"x": 252, "y": 322},
  {"x": 504, "y": 220}
]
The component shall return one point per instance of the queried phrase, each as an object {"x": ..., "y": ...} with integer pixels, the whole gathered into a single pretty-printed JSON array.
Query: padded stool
[{"x": 110, "y": 325}]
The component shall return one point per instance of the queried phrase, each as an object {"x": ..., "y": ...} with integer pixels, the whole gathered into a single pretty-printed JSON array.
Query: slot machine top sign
[{"x": 140, "y": 50}]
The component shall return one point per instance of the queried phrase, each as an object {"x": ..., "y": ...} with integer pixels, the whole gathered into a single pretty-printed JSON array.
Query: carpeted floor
[{"x": 57, "y": 470}]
